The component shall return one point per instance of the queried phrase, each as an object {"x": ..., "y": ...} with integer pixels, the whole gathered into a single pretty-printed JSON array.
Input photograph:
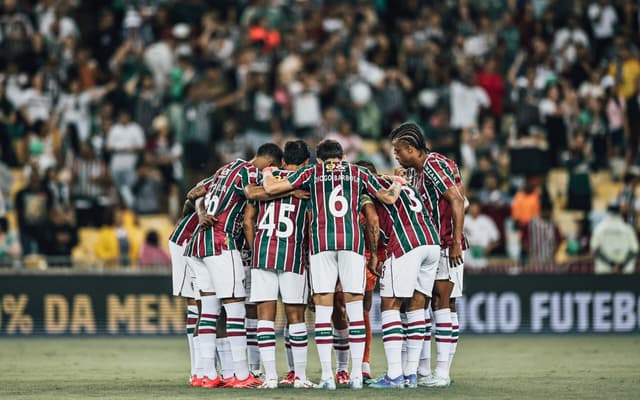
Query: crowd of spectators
[{"x": 112, "y": 105}]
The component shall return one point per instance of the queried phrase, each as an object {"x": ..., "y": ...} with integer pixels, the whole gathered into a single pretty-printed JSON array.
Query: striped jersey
[
  {"x": 435, "y": 178},
  {"x": 281, "y": 239},
  {"x": 188, "y": 224},
  {"x": 225, "y": 200},
  {"x": 335, "y": 203},
  {"x": 446, "y": 212},
  {"x": 405, "y": 224}
]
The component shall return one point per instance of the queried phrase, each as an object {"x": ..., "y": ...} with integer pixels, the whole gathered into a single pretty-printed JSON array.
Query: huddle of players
[{"x": 302, "y": 226}]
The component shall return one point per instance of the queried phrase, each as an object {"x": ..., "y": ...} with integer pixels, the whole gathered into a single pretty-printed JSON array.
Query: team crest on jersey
[
  {"x": 340, "y": 167},
  {"x": 224, "y": 172},
  {"x": 330, "y": 166}
]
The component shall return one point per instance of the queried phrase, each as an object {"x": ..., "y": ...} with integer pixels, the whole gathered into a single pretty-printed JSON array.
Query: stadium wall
[{"x": 140, "y": 304}]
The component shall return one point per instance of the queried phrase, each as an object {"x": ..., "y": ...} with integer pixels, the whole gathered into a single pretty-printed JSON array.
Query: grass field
[{"x": 541, "y": 367}]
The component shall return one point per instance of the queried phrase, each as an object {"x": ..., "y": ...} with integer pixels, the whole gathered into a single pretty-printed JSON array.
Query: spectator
[
  {"x": 10, "y": 250},
  {"x": 125, "y": 141},
  {"x": 553, "y": 120},
  {"x": 493, "y": 83},
  {"x": 633, "y": 127},
  {"x": 603, "y": 18},
  {"x": 90, "y": 187},
  {"x": 60, "y": 237},
  {"x": 350, "y": 141},
  {"x": 148, "y": 187},
  {"x": 566, "y": 40},
  {"x": 627, "y": 202},
  {"x": 118, "y": 243},
  {"x": 31, "y": 205},
  {"x": 34, "y": 103},
  {"x": 166, "y": 152},
  {"x": 625, "y": 71},
  {"x": 261, "y": 121},
  {"x": 541, "y": 237},
  {"x": 614, "y": 244},
  {"x": 482, "y": 234},
  {"x": 526, "y": 203},
  {"x": 467, "y": 100},
  {"x": 152, "y": 255},
  {"x": 307, "y": 116},
  {"x": 11, "y": 130}
]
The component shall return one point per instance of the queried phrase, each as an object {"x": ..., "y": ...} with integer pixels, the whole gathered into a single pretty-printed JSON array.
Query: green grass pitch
[{"x": 522, "y": 367}]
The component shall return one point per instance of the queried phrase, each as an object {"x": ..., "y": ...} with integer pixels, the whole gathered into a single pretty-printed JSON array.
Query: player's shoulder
[{"x": 282, "y": 174}]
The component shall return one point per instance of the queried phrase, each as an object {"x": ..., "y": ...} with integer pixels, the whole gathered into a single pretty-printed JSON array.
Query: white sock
[
  {"x": 341, "y": 347},
  {"x": 415, "y": 340},
  {"x": 455, "y": 335},
  {"x": 357, "y": 336},
  {"x": 287, "y": 347},
  {"x": 207, "y": 335},
  {"x": 403, "y": 319},
  {"x": 443, "y": 341},
  {"x": 392, "y": 338},
  {"x": 192, "y": 320},
  {"x": 200, "y": 361},
  {"x": 253, "y": 353},
  {"x": 324, "y": 339},
  {"x": 424, "y": 368},
  {"x": 225, "y": 358},
  {"x": 299, "y": 340},
  {"x": 237, "y": 338},
  {"x": 267, "y": 344}
]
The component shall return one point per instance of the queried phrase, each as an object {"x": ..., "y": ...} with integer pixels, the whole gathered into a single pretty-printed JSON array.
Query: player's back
[
  {"x": 433, "y": 180},
  {"x": 444, "y": 207},
  {"x": 335, "y": 201},
  {"x": 225, "y": 199},
  {"x": 187, "y": 225},
  {"x": 406, "y": 224},
  {"x": 282, "y": 232}
]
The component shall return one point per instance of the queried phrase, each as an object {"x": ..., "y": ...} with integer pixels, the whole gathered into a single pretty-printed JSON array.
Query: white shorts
[
  {"x": 222, "y": 274},
  {"x": 327, "y": 267},
  {"x": 293, "y": 287},
  {"x": 454, "y": 275},
  {"x": 247, "y": 284},
  {"x": 415, "y": 270},
  {"x": 182, "y": 277}
]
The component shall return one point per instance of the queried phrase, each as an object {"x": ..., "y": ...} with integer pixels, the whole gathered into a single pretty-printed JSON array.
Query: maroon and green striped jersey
[
  {"x": 335, "y": 203},
  {"x": 405, "y": 224},
  {"x": 225, "y": 200},
  {"x": 188, "y": 224},
  {"x": 445, "y": 210},
  {"x": 435, "y": 178},
  {"x": 281, "y": 240}
]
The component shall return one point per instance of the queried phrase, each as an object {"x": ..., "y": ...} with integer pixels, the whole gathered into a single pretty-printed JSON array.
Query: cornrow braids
[{"x": 411, "y": 134}]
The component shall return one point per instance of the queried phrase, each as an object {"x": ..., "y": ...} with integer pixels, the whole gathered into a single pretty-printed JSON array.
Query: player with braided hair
[{"x": 434, "y": 176}]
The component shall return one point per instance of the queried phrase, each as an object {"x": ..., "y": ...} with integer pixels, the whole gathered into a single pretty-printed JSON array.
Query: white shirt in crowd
[
  {"x": 121, "y": 139},
  {"x": 75, "y": 109},
  {"x": 480, "y": 232},
  {"x": 614, "y": 239},
  {"x": 565, "y": 42},
  {"x": 466, "y": 102},
  {"x": 604, "y": 26},
  {"x": 160, "y": 60},
  {"x": 38, "y": 105},
  {"x": 306, "y": 106}
]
